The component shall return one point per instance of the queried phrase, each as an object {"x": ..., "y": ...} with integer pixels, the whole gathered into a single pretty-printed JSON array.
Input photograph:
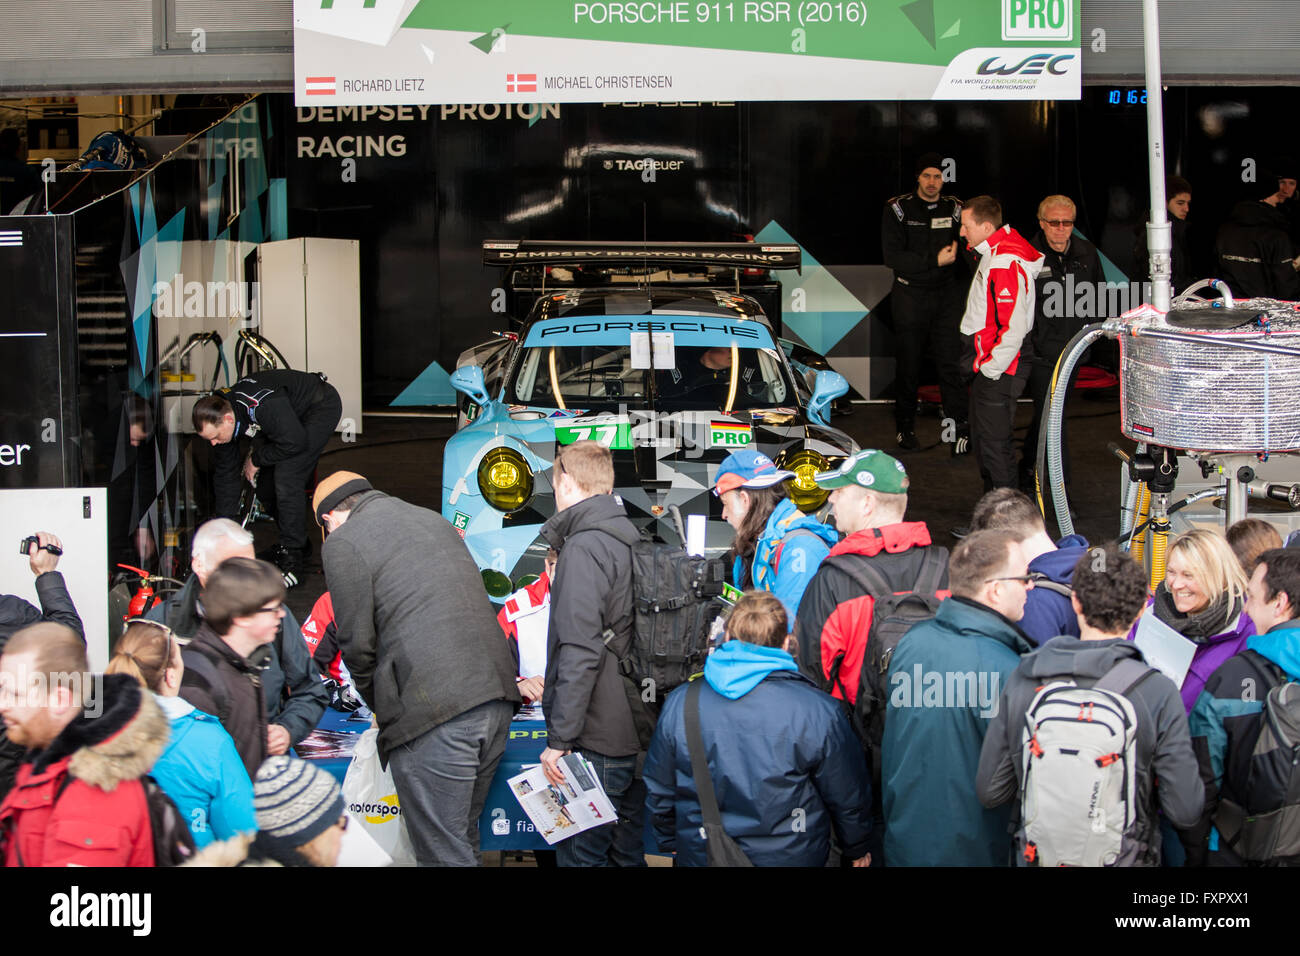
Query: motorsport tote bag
[{"x": 371, "y": 798}]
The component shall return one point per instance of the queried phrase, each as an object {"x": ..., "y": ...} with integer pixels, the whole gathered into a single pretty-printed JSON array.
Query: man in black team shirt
[
  {"x": 918, "y": 235},
  {"x": 290, "y": 415}
]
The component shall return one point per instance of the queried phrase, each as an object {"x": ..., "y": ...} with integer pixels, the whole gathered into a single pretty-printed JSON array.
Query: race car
[{"x": 672, "y": 374}]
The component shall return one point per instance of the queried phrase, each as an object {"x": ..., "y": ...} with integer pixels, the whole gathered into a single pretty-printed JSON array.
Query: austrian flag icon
[
  {"x": 521, "y": 82},
  {"x": 320, "y": 86}
]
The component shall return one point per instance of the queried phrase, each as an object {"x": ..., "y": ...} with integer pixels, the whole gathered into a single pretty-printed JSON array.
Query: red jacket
[
  {"x": 835, "y": 614},
  {"x": 322, "y": 637},
  {"x": 1000, "y": 305},
  {"x": 101, "y": 817}
]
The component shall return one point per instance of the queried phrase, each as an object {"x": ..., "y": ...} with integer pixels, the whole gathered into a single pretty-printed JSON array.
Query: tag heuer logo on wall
[{"x": 460, "y": 523}]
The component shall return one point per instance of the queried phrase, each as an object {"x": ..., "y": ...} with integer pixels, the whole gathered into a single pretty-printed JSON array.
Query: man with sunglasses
[
  {"x": 944, "y": 683},
  {"x": 242, "y": 607},
  {"x": 1070, "y": 264}
]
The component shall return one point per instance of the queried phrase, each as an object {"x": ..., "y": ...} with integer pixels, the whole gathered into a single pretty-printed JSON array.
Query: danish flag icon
[{"x": 521, "y": 82}]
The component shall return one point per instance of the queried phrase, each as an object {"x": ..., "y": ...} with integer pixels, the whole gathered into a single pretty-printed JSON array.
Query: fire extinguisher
[{"x": 143, "y": 599}]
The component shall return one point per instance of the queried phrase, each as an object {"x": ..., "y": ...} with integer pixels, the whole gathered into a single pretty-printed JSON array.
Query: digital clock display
[{"x": 1135, "y": 97}]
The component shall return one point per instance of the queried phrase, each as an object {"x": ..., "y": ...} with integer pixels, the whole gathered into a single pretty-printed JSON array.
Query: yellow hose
[
  {"x": 1159, "y": 544},
  {"x": 1137, "y": 545}
]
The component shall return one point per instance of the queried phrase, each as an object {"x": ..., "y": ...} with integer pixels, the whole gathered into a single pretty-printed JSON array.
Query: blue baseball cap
[{"x": 747, "y": 468}]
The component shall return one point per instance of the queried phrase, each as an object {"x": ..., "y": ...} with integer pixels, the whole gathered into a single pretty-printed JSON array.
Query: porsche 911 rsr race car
[{"x": 671, "y": 380}]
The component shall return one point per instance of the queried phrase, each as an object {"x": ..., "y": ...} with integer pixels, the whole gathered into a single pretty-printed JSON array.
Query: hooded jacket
[
  {"x": 1163, "y": 749},
  {"x": 787, "y": 555},
  {"x": 1048, "y": 613},
  {"x": 945, "y": 684},
  {"x": 233, "y": 694},
  {"x": 1000, "y": 304},
  {"x": 417, "y": 630},
  {"x": 80, "y": 802},
  {"x": 785, "y": 764},
  {"x": 835, "y": 613},
  {"x": 1211, "y": 651},
  {"x": 585, "y": 700},
  {"x": 202, "y": 773},
  {"x": 296, "y": 697},
  {"x": 1255, "y": 252},
  {"x": 1225, "y": 723}
]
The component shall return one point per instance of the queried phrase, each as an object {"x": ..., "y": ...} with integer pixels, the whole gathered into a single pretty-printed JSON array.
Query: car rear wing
[{"x": 728, "y": 255}]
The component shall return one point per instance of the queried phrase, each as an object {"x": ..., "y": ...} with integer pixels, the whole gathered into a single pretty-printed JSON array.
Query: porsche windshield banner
[{"x": 388, "y": 52}]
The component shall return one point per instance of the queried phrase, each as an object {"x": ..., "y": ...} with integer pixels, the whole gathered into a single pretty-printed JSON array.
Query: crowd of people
[{"x": 871, "y": 699}]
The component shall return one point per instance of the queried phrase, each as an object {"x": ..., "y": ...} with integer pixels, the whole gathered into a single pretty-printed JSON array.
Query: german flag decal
[{"x": 729, "y": 435}]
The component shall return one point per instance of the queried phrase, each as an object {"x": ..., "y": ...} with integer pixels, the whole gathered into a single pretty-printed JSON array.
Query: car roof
[{"x": 653, "y": 301}]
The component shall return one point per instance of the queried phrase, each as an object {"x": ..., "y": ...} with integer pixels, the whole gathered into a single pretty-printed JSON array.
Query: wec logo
[
  {"x": 1037, "y": 19},
  {"x": 1029, "y": 66}
]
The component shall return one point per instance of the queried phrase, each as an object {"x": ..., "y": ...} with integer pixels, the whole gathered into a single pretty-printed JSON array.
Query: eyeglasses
[
  {"x": 1057, "y": 223},
  {"x": 275, "y": 609},
  {"x": 1026, "y": 579}
]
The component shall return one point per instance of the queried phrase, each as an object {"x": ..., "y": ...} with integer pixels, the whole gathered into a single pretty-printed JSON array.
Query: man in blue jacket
[
  {"x": 786, "y": 767},
  {"x": 1228, "y": 718},
  {"x": 1048, "y": 612},
  {"x": 945, "y": 681}
]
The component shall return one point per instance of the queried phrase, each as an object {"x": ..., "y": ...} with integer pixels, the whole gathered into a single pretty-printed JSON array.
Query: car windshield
[{"x": 585, "y": 376}]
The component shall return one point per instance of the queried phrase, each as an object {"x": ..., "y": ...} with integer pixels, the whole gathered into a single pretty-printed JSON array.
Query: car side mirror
[
  {"x": 469, "y": 380},
  {"x": 827, "y": 387}
]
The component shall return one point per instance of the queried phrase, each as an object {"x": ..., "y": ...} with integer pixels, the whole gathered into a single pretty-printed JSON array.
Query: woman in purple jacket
[{"x": 1203, "y": 598}]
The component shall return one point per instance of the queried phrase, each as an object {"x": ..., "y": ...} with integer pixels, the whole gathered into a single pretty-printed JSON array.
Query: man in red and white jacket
[{"x": 999, "y": 315}]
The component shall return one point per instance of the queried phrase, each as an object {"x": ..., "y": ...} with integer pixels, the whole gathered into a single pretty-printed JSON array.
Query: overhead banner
[{"x": 391, "y": 52}]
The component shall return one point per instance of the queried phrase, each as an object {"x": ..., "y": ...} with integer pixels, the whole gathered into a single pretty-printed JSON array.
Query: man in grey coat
[
  {"x": 420, "y": 638},
  {"x": 1109, "y": 594}
]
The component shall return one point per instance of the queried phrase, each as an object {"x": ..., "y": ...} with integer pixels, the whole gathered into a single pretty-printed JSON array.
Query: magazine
[{"x": 560, "y": 811}]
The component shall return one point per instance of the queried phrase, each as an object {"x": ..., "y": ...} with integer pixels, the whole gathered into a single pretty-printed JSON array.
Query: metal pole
[{"x": 1159, "y": 236}]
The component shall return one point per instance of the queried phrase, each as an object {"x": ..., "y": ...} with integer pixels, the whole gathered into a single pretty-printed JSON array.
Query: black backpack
[
  {"x": 173, "y": 843},
  {"x": 1265, "y": 827},
  {"x": 893, "y": 615},
  {"x": 675, "y": 600}
]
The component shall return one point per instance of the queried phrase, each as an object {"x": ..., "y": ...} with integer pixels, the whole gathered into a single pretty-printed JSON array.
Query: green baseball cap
[{"x": 869, "y": 468}]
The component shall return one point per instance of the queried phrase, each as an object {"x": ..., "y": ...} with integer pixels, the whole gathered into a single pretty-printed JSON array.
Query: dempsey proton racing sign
[{"x": 381, "y": 52}]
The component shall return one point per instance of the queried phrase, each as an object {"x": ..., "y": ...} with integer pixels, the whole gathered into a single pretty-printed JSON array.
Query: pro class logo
[
  {"x": 1038, "y": 19},
  {"x": 521, "y": 82},
  {"x": 1034, "y": 65}
]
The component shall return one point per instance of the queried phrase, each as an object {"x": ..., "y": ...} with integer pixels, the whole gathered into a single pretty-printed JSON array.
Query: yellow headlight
[
  {"x": 505, "y": 479},
  {"x": 802, "y": 488}
]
